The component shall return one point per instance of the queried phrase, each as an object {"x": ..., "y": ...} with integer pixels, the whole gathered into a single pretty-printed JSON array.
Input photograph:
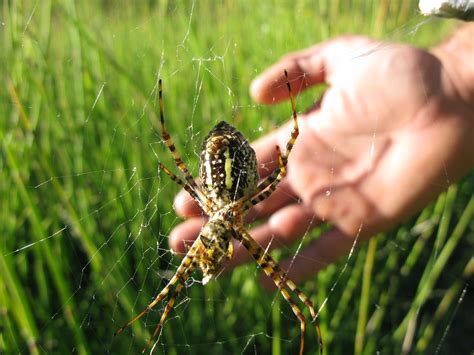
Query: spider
[{"x": 229, "y": 188}]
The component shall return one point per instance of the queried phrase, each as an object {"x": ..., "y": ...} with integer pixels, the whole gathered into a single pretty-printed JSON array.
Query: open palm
[{"x": 376, "y": 148}]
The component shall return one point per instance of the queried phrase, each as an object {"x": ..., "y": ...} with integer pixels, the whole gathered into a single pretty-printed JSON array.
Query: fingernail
[
  {"x": 255, "y": 89},
  {"x": 180, "y": 202}
]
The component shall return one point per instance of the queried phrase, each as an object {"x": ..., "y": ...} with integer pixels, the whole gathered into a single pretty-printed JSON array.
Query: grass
[{"x": 84, "y": 216}]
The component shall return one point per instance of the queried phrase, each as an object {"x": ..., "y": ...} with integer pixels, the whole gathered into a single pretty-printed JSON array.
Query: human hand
[{"x": 390, "y": 133}]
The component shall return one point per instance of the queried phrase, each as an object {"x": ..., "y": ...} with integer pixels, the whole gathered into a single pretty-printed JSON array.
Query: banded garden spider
[{"x": 229, "y": 188}]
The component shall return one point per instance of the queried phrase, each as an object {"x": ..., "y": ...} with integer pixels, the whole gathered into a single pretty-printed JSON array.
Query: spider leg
[
  {"x": 295, "y": 132},
  {"x": 170, "y": 144},
  {"x": 279, "y": 277},
  {"x": 184, "y": 269},
  {"x": 169, "y": 305},
  {"x": 196, "y": 194}
]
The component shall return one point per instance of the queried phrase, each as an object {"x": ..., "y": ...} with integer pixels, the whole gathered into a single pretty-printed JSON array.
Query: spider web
[{"x": 87, "y": 213}]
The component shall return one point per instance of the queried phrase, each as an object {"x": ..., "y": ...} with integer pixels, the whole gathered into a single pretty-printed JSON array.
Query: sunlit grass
[{"x": 84, "y": 216}]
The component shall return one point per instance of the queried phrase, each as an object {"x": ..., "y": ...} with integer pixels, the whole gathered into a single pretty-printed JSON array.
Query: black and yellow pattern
[
  {"x": 228, "y": 167},
  {"x": 229, "y": 188}
]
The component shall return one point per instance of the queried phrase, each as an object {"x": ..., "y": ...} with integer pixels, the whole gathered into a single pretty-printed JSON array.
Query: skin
[{"x": 393, "y": 129}]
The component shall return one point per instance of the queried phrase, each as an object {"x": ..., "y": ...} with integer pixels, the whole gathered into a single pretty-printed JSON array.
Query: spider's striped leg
[
  {"x": 295, "y": 132},
  {"x": 274, "y": 271},
  {"x": 196, "y": 194},
  {"x": 170, "y": 304},
  {"x": 170, "y": 144},
  {"x": 184, "y": 269}
]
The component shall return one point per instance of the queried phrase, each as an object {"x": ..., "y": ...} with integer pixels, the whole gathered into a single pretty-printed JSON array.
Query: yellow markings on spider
[
  {"x": 228, "y": 170},
  {"x": 230, "y": 186}
]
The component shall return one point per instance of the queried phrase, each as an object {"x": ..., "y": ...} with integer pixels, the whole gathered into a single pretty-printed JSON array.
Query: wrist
[{"x": 457, "y": 57}]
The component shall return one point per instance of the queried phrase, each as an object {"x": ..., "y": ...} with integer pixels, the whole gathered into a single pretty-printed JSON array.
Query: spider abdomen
[{"x": 228, "y": 166}]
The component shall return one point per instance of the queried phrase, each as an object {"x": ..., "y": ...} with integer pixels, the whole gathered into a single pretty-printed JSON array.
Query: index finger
[
  {"x": 305, "y": 68},
  {"x": 308, "y": 67}
]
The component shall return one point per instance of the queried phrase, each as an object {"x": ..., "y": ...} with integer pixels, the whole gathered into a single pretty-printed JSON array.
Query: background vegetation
[{"x": 84, "y": 215}]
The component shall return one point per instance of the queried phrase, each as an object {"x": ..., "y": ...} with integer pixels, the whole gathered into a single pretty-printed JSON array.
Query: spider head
[
  {"x": 216, "y": 238},
  {"x": 228, "y": 166}
]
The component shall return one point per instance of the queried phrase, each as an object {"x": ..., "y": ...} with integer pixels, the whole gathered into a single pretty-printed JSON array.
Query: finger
[
  {"x": 308, "y": 67},
  {"x": 338, "y": 207},
  {"x": 265, "y": 148},
  {"x": 325, "y": 250},
  {"x": 281, "y": 197},
  {"x": 185, "y": 206},
  {"x": 184, "y": 234},
  {"x": 283, "y": 228},
  {"x": 305, "y": 68}
]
